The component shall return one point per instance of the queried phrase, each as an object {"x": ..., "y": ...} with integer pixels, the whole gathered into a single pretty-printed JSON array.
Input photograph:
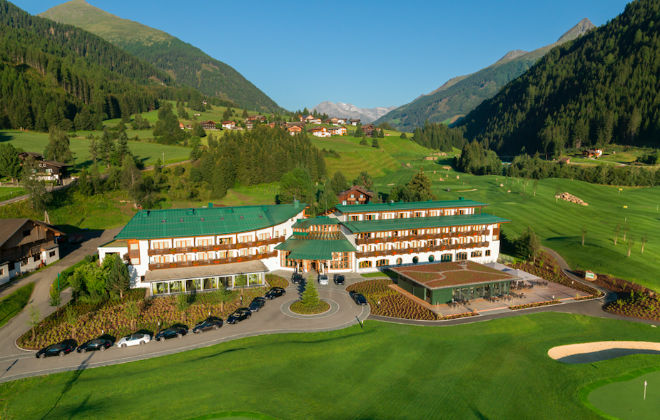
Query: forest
[{"x": 601, "y": 88}]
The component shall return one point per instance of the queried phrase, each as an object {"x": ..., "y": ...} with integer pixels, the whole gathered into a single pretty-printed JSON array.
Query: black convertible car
[
  {"x": 172, "y": 332},
  {"x": 100, "y": 343},
  {"x": 59, "y": 349},
  {"x": 239, "y": 315},
  {"x": 210, "y": 323}
]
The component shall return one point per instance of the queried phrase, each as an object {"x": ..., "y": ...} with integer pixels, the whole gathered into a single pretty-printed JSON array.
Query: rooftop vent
[
  {"x": 202, "y": 219},
  {"x": 163, "y": 221},
  {"x": 222, "y": 218},
  {"x": 242, "y": 217},
  {"x": 181, "y": 219}
]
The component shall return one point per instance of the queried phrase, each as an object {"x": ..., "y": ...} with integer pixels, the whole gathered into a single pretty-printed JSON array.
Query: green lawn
[
  {"x": 147, "y": 152},
  {"x": 14, "y": 303},
  {"x": 624, "y": 398},
  {"x": 10, "y": 192},
  {"x": 495, "y": 369}
]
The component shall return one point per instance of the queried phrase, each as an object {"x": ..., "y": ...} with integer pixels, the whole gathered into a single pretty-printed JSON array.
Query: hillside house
[
  {"x": 354, "y": 121},
  {"x": 228, "y": 125},
  {"x": 25, "y": 245},
  {"x": 593, "y": 153},
  {"x": 47, "y": 170},
  {"x": 310, "y": 119},
  {"x": 208, "y": 125},
  {"x": 319, "y": 132},
  {"x": 368, "y": 130},
  {"x": 337, "y": 131},
  {"x": 294, "y": 129},
  {"x": 333, "y": 121},
  {"x": 256, "y": 118},
  {"x": 355, "y": 195}
]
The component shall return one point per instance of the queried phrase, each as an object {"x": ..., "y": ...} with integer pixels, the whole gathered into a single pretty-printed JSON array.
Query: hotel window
[
  {"x": 369, "y": 217},
  {"x": 158, "y": 244},
  {"x": 355, "y": 218},
  {"x": 419, "y": 214},
  {"x": 182, "y": 243},
  {"x": 226, "y": 241},
  {"x": 381, "y": 263},
  {"x": 365, "y": 264},
  {"x": 475, "y": 254},
  {"x": 488, "y": 252},
  {"x": 461, "y": 256},
  {"x": 133, "y": 246},
  {"x": 245, "y": 238},
  {"x": 264, "y": 236},
  {"x": 205, "y": 242},
  {"x": 402, "y": 215},
  {"x": 222, "y": 254},
  {"x": 243, "y": 252}
]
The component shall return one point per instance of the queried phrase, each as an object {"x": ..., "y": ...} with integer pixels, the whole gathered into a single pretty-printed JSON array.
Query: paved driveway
[{"x": 273, "y": 318}]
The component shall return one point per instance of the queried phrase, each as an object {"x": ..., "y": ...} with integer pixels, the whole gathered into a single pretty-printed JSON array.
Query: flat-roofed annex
[{"x": 451, "y": 274}]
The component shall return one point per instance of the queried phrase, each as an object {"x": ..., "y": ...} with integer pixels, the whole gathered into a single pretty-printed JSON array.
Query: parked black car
[
  {"x": 210, "y": 323},
  {"x": 339, "y": 279},
  {"x": 100, "y": 343},
  {"x": 178, "y": 330},
  {"x": 297, "y": 278},
  {"x": 257, "y": 303},
  {"x": 358, "y": 298},
  {"x": 275, "y": 292},
  {"x": 239, "y": 315},
  {"x": 59, "y": 349}
]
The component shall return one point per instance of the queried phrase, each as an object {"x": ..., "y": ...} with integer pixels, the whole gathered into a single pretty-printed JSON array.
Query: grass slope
[
  {"x": 498, "y": 369},
  {"x": 14, "y": 303},
  {"x": 148, "y": 153},
  {"x": 625, "y": 399},
  {"x": 10, "y": 192}
]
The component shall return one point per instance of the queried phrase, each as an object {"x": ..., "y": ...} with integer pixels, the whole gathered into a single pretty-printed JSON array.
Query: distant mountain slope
[
  {"x": 187, "y": 64},
  {"x": 341, "y": 109},
  {"x": 601, "y": 88},
  {"x": 462, "y": 94},
  {"x": 55, "y": 74}
]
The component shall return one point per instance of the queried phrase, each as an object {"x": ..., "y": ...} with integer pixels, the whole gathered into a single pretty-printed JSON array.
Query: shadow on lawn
[{"x": 69, "y": 384}]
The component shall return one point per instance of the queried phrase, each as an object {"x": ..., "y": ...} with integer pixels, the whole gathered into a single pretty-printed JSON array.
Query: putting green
[{"x": 624, "y": 399}]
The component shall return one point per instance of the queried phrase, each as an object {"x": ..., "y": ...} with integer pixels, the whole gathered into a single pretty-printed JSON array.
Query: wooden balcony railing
[
  {"x": 383, "y": 253},
  {"x": 426, "y": 236},
  {"x": 158, "y": 266},
  {"x": 220, "y": 247}
]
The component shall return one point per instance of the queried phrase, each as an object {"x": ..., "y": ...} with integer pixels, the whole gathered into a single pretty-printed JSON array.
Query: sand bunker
[{"x": 601, "y": 350}]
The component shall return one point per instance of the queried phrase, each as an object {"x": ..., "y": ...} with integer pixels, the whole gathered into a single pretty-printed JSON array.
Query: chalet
[
  {"x": 208, "y": 125},
  {"x": 353, "y": 121},
  {"x": 319, "y": 132},
  {"x": 341, "y": 121},
  {"x": 310, "y": 119},
  {"x": 249, "y": 125},
  {"x": 355, "y": 195},
  {"x": 47, "y": 170},
  {"x": 565, "y": 160},
  {"x": 228, "y": 125},
  {"x": 25, "y": 245},
  {"x": 294, "y": 129},
  {"x": 256, "y": 118},
  {"x": 181, "y": 126},
  {"x": 368, "y": 130},
  {"x": 593, "y": 153},
  {"x": 337, "y": 131},
  {"x": 333, "y": 121}
]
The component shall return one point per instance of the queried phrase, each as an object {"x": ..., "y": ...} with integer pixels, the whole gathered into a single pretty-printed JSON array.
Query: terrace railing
[
  {"x": 219, "y": 247},
  {"x": 195, "y": 263},
  {"x": 387, "y": 252},
  {"x": 426, "y": 236}
]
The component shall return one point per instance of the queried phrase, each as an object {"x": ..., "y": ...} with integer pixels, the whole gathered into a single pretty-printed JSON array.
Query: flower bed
[
  {"x": 533, "y": 305},
  {"x": 300, "y": 308},
  {"x": 638, "y": 305},
  {"x": 385, "y": 301},
  {"x": 546, "y": 268},
  {"x": 83, "y": 322},
  {"x": 457, "y": 316},
  {"x": 276, "y": 281}
]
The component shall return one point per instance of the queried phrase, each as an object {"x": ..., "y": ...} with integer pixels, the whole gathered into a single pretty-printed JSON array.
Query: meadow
[
  {"x": 10, "y": 192},
  {"x": 495, "y": 369},
  {"x": 147, "y": 152}
]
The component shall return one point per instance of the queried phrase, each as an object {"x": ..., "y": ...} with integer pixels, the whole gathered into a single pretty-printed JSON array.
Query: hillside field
[{"x": 382, "y": 371}]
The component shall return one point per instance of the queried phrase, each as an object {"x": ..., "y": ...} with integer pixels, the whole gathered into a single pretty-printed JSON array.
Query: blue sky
[{"x": 368, "y": 53}]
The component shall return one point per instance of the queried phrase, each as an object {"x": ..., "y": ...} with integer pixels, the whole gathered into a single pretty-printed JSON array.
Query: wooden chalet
[{"x": 355, "y": 195}]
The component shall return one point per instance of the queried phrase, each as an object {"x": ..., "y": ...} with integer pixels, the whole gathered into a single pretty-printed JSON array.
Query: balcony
[
  {"x": 425, "y": 236},
  {"x": 196, "y": 263},
  {"x": 220, "y": 247},
  {"x": 384, "y": 253}
]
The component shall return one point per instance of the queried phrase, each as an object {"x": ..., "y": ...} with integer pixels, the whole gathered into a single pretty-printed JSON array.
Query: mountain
[
  {"x": 462, "y": 94},
  {"x": 340, "y": 109},
  {"x": 187, "y": 64},
  {"x": 59, "y": 75},
  {"x": 600, "y": 88}
]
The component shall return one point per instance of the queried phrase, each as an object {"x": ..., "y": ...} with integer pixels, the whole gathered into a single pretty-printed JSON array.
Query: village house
[
  {"x": 333, "y": 121},
  {"x": 353, "y": 121},
  {"x": 256, "y": 118},
  {"x": 310, "y": 119},
  {"x": 341, "y": 121},
  {"x": 47, "y": 170},
  {"x": 208, "y": 125},
  {"x": 228, "y": 125},
  {"x": 337, "y": 131},
  {"x": 25, "y": 245},
  {"x": 294, "y": 129},
  {"x": 368, "y": 130},
  {"x": 593, "y": 153},
  {"x": 355, "y": 195},
  {"x": 319, "y": 132}
]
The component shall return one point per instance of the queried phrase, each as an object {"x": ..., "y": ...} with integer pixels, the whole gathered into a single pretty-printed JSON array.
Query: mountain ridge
[
  {"x": 461, "y": 94},
  {"x": 187, "y": 64},
  {"x": 342, "y": 109}
]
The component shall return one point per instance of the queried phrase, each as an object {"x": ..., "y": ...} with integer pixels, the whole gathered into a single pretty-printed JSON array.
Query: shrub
[{"x": 276, "y": 281}]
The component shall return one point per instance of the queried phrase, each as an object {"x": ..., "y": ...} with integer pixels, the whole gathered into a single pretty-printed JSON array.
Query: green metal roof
[
  {"x": 316, "y": 221},
  {"x": 173, "y": 223},
  {"x": 422, "y": 222},
  {"x": 315, "y": 249},
  {"x": 401, "y": 206}
]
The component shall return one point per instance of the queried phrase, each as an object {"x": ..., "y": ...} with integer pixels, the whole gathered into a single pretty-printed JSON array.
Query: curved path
[
  {"x": 601, "y": 350},
  {"x": 271, "y": 319}
]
